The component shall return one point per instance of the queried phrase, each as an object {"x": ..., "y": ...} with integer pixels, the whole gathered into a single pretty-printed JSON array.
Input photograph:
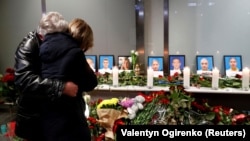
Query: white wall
[
  {"x": 154, "y": 24},
  {"x": 218, "y": 28},
  {"x": 17, "y": 19},
  {"x": 112, "y": 21}
]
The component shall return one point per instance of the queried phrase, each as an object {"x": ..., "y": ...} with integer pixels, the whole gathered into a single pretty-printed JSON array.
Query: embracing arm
[{"x": 27, "y": 72}]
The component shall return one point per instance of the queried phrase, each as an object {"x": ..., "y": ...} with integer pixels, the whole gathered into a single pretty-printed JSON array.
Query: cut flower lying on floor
[{"x": 176, "y": 107}]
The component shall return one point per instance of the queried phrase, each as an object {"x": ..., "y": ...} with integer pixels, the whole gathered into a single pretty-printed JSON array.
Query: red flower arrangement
[
  {"x": 9, "y": 76},
  {"x": 220, "y": 115},
  {"x": 176, "y": 107},
  {"x": 97, "y": 132},
  {"x": 7, "y": 86}
]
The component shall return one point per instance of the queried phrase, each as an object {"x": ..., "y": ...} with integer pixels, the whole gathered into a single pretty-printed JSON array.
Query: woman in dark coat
[{"x": 62, "y": 56}]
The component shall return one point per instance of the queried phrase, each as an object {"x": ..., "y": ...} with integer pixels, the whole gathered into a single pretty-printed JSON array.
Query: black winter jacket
[
  {"x": 33, "y": 89},
  {"x": 27, "y": 74}
]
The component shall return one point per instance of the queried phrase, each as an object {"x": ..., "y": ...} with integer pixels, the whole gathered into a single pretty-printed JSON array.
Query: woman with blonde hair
[
  {"x": 63, "y": 58},
  {"x": 82, "y": 32}
]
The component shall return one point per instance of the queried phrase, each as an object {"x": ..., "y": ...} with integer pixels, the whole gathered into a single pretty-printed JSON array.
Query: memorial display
[{"x": 176, "y": 107}]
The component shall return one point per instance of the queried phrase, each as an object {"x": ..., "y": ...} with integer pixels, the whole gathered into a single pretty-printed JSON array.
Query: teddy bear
[{"x": 137, "y": 104}]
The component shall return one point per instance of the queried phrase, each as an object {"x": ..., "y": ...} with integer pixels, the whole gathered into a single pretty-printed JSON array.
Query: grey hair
[{"x": 52, "y": 22}]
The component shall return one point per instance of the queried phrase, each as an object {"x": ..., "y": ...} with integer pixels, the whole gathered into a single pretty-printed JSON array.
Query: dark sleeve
[
  {"x": 78, "y": 70},
  {"x": 27, "y": 71},
  {"x": 90, "y": 78}
]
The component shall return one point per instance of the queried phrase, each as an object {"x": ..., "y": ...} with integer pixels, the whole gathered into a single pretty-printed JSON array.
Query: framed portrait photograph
[
  {"x": 92, "y": 61},
  {"x": 106, "y": 63},
  {"x": 176, "y": 64},
  {"x": 156, "y": 63},
  {"x": 232, "y": 65},
  {"x": 204, "y": 64},
  {"x": 124, "y": 62}
]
